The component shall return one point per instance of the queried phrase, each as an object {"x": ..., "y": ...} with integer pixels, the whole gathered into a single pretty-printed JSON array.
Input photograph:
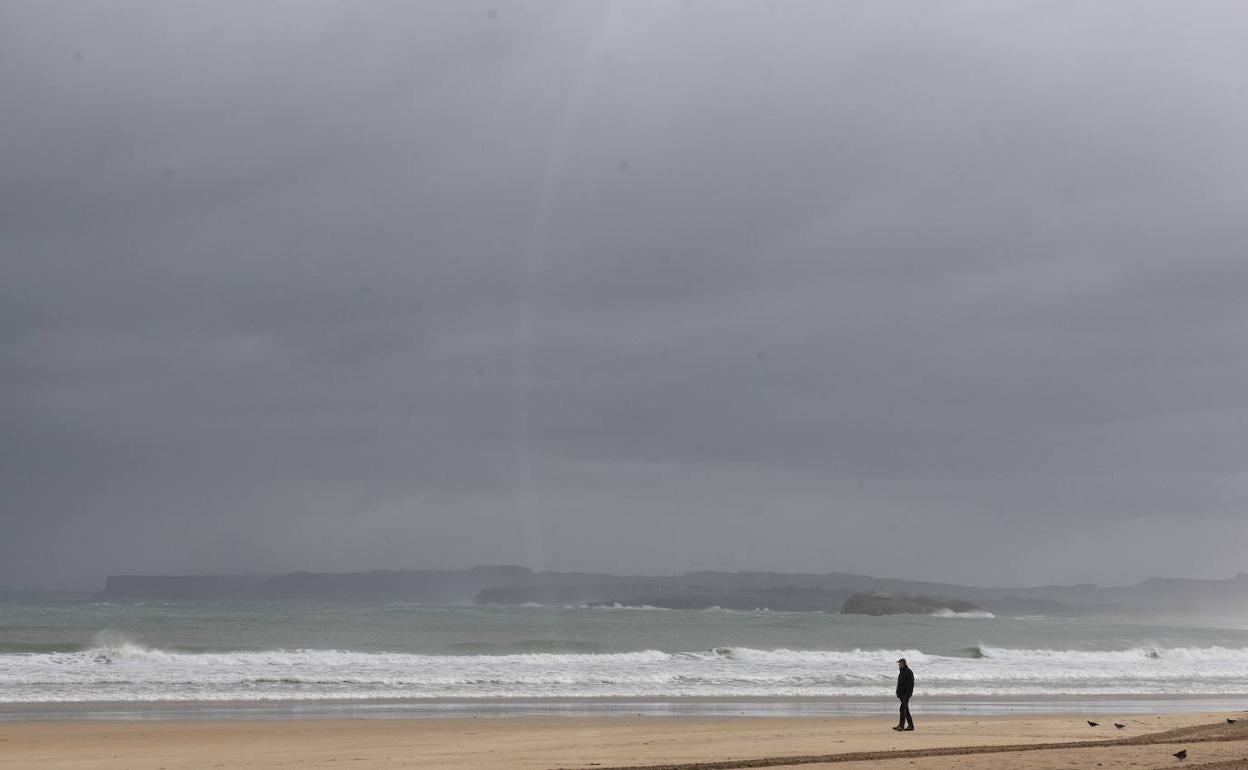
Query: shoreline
[
  {"x": 571, "y": 743},
  {"x": 796, "y": 707}
]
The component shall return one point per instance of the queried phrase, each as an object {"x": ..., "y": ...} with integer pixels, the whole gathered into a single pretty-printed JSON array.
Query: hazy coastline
[{"x": 514, "y": 585}]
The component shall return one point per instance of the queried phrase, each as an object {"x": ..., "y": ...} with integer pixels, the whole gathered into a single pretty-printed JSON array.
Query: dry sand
[{"x": 488, "y": 744}]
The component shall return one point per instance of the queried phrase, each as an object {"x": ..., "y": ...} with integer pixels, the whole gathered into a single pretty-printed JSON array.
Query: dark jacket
[{"x": 905, "y": 683}]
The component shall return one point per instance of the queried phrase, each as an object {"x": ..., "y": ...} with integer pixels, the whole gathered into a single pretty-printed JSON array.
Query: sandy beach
[{"x": 1030, "y": 743}]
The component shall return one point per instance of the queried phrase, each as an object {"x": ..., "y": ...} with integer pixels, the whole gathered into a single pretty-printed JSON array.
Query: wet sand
[{"x": 1028, "y": 743}]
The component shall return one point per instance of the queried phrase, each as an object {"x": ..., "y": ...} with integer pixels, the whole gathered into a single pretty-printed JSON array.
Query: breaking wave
[
  {"x": 945, "y": 612},
  {"x": 117, "y": 668}
]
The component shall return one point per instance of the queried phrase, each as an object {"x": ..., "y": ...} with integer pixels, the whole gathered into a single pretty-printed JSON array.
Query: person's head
[{"x": 901, "y": 663}]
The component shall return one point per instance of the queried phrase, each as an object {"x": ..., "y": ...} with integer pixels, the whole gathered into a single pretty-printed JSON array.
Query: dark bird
[
  {"x": 1092, "y": 724},
  {"x": 1230, "y": 721},
  {"x": 1119, "y": 725},
  {"x": 1181, "y": 754}
]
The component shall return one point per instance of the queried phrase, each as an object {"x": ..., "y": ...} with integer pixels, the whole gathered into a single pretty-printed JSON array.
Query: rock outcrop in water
[
  {"x": 788, "y": 599},
  {"x": 885, "y": 604}
]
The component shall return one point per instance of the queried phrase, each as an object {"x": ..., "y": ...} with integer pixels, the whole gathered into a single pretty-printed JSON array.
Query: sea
[{"x": 165, "y": 659}]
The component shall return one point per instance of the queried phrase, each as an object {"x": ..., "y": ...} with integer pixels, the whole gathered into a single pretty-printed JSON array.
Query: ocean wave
[
  {"x": 945, "y": 612},
  {"x": 1209, "y": 654},
  {"x": 817, "y": 657},
  {"x": 118, "y": 668}
]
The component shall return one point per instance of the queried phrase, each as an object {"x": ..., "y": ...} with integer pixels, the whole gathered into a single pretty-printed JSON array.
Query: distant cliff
[
  {"x": 885, "y": 604},
  {"x": 428, "y": 586},
  {"x": 694, "y": 590},
  {"x": 180, "y": 586}
]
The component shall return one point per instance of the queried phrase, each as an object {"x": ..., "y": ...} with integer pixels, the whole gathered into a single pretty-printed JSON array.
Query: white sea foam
[
  {"x": 116, "y": 668},
  {"x": 945, "y": 612}
]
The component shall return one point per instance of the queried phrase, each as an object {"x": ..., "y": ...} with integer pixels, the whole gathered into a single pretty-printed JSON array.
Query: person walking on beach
[{"x": 905, "y": 688}]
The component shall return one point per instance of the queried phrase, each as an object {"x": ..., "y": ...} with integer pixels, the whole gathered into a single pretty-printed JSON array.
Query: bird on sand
[
  {"x": 1230, "y": 721},
  {"x": 1092, "y": 724},
  {"x": 1119, "y": 725},
  {"x": 1181, "y": 754}
]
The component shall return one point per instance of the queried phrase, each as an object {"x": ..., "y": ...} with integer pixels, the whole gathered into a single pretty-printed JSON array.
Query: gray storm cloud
[{"x": 950, "y": 291}]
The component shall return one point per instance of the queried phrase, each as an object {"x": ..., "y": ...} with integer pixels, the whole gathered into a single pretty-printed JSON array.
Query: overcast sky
[{"x": 950, "y": 290}]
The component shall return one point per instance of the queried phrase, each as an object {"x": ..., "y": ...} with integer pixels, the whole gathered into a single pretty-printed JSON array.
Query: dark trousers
[{"x": 906, "y": 720}]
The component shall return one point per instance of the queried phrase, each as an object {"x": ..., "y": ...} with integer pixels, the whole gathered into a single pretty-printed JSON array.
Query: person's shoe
[
  {"x": 899, "y": 728},
  {"x": 908, "y": 729}
]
